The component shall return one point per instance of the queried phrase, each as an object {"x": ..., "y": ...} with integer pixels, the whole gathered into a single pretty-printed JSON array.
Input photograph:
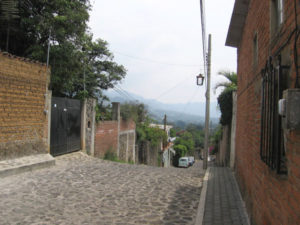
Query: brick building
[{"x": 267, "y": 158}]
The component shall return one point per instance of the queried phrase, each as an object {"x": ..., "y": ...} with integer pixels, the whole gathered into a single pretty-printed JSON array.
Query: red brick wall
[
  {"x": 270, "y": 198},
  {"x": 23, "y": 124},
  {"x": 106, "y": 138},
  {"x": 127, "y": 125}
]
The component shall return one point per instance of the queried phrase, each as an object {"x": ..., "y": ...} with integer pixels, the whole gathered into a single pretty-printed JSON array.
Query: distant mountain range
[{"x": 193, "y": 112}]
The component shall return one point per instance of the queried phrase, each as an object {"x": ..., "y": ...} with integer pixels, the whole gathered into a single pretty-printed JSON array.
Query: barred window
[{"x": 272, "y": 149}]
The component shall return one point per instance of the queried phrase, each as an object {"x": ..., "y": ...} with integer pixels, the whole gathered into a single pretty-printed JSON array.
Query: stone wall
[
  {"x": 88, "y": 125},
  {"x": 23, "y": 107},
  {"x": 149, "y": 154},
  {"x": 222, "y": 157},
  {"x": 270, "y": 198}
]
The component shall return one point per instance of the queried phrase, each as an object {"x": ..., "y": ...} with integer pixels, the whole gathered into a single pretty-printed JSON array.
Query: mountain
[{"x": 193, "y": 112}]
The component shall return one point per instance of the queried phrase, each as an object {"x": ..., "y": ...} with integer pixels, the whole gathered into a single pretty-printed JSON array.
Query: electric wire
[
  {"x": 121, "y": 94},
  {"x": 189, "y": 102},
  {"x": 175, "y": 86},
  {"x": 203, "y": 28},
  {"x": 126, "y": 93},
  {"x": 155, "y": 61}
]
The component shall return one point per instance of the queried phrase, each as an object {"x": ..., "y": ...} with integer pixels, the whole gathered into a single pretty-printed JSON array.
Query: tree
[
  {"x": 186, "y": 139},
  {"x": 9, "y": 13},
  {"x": 80, "y": 67},
  {"x": 225, "y": 97},
  {"x": 230, "y": 84}
]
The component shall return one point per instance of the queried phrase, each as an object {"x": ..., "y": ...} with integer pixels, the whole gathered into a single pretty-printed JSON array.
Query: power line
[
  {"x": 155, "y": 61},
  {"x": 203, "y": 28},
  {"x": 173, "y": 87},
  {"x": 125, "y": 92},
  {"x": 189, "y": 102}
]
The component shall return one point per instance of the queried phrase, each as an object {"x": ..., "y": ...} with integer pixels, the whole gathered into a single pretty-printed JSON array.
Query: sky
[{"x": 159, "y": 42}]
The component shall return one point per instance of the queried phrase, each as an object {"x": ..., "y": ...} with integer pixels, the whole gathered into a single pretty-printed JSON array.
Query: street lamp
[{"x": 200, "y": 79}]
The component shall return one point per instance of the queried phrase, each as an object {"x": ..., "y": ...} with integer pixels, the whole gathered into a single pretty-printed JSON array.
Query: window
[
  {"x": 276, "y": 15},
  {"x": 255, "y": 51},
  {"x": 272, "y": 150}
]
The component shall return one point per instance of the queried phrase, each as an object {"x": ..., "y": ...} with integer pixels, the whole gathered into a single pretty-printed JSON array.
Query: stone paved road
[{"x": 85, "y": 190}]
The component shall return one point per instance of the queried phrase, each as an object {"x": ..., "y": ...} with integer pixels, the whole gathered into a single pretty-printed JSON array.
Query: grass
[{"x": 111, "y": 156}]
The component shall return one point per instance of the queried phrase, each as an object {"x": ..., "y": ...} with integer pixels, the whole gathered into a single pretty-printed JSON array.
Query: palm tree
[
  {"x": 225, "y": 97},
  {"x": 230, "y": 84}
]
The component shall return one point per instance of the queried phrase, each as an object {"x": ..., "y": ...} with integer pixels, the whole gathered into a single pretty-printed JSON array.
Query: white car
[
  {"x": 191, "y": 160},
  {"x": 183, "y": 162}
]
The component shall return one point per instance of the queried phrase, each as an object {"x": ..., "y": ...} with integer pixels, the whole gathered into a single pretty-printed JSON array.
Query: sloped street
[{"x": 86, "y": 190}]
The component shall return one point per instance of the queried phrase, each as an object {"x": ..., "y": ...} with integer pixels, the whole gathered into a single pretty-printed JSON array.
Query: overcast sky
[{"x": 159, "y": 43}]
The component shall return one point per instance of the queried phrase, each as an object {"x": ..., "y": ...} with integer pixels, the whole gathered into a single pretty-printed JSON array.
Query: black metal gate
[
  {"x": 272, "y": 150},
  {"x": 65, "y": 126}
]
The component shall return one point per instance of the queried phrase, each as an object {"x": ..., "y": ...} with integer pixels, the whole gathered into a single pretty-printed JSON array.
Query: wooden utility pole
[{"x": 207, "y": 95}]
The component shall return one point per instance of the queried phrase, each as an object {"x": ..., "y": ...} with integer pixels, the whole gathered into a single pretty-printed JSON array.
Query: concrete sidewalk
[
  {"x": 221, "y": 203},
  {"x": 24, "y": 164}
]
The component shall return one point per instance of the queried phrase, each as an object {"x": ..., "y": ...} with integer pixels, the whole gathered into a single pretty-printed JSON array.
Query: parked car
[
  {"x": 191, "y": 160},
  {"x": 183, "y": 162}
]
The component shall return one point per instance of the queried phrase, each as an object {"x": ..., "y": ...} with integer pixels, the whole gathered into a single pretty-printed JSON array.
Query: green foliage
[
  {"x": 215, "y": 138},
  {"x": 197, "y": 132},
  {"x": 103, "y": 112},
  {"x": 225, "y": 104},
  {"x": 230, "y": 84},
  {"x": 181, "y": 150},
  {"x": 156, "y": 135},
  {"x": 9, "y": 15},
  {"x": 225, "y": 98},
  {"x": 186, "y": 139},
  {"x": 111, "y": 156},
  {"x": 136, "y": 111},
  {"x": 80, "y": 67},
  {"x": 173, "y": 131}
]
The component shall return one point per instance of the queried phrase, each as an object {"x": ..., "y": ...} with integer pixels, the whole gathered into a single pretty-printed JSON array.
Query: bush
[
  {"x": 225, "y": 104},
  {"x": 110, "y": 155}
]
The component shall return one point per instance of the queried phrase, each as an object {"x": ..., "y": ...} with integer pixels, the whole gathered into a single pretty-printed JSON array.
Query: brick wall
[
  {"x": 127, "y": 125},
  {"x": 23, "y": 124},
  {"x": 107, "y": 137},
  {"x": 270, "y": 198}
]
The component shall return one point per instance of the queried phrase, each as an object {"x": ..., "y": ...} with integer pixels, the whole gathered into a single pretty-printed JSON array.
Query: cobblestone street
[{"x": 86, "y": 190}]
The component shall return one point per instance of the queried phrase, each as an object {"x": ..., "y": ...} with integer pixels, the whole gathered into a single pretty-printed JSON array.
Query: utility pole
[
  {"x": 165, "y": 123},
  {"x": 207, "y": 95}
]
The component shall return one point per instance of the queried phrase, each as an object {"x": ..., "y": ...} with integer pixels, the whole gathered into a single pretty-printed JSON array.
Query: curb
[
  {"x": 244, "y": 209},
  {"x": 25, "y": 164},
  {"x": 201, "y": 206}
]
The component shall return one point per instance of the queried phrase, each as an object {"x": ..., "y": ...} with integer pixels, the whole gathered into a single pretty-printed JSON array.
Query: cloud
[{"x": 168, "y": 32}]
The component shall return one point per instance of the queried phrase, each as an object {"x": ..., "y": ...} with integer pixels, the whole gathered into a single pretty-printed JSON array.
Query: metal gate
[
  {"x": 65, "y": 126},
  {"x": 272, "y": 150}
]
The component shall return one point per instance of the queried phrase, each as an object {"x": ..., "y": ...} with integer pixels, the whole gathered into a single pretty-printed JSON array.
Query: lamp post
[{"x": 200, "y": 79}]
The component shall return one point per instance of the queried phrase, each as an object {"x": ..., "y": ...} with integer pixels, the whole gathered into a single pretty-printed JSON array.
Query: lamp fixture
[{"x": 200, "y": 79}]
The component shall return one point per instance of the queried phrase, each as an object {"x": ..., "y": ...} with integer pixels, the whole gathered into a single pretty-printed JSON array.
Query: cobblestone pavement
[{"x": 86, "y": 190}]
